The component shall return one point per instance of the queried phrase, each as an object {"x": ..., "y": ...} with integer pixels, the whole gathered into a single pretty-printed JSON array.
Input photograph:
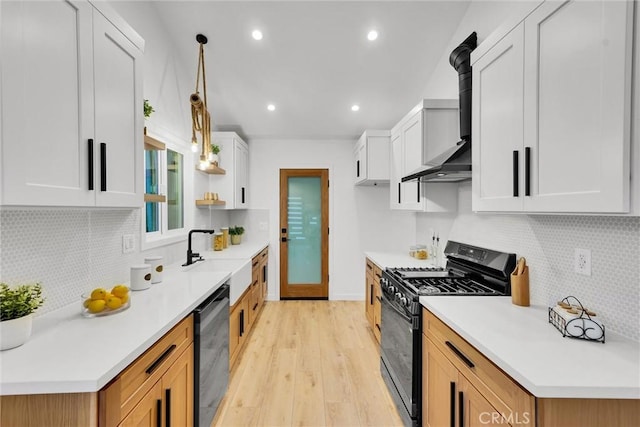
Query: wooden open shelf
[
  {"x": 212, "y": 170},
  {"x": 153, "y": 144},
  {"x": 210, "y": 203},
  {"x": 155, "y": 198}
]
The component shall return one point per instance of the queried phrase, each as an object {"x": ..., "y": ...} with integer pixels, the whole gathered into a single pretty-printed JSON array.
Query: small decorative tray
[{"x": 574, "y": 321}]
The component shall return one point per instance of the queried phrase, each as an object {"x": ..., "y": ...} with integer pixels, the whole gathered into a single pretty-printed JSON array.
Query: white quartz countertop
[
  {"x": 245, "y": 250},
  {"x": 68, "y": 353},
  {"x": 521, "y": 342},
  {"x": 396, "y": 260}
]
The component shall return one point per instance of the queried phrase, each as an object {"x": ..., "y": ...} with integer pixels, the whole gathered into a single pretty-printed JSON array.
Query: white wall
[{"x": 359, "y": 218}]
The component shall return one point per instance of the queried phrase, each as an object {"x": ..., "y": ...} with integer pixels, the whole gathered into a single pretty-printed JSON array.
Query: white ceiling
[{"x": 314, "y": 61}]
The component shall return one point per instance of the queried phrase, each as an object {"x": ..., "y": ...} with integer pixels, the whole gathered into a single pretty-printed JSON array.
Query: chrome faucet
[{"x": 193, "y": 257}]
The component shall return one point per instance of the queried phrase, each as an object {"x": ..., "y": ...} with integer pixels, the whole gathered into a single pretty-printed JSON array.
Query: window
[{"x": 164, "y": 221}]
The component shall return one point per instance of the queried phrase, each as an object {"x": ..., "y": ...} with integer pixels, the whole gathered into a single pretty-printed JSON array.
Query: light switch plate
[{"x": 128, "y": 243}]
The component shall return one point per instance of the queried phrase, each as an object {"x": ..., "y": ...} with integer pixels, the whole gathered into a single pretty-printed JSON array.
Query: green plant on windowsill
[{"x": 236, "y": 234}]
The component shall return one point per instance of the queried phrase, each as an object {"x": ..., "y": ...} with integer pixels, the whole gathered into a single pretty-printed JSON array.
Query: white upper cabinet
[
  {"x": 425, "y": 132},
  {"x": 233, "y": 187},
  {"x": 372, "y": 158},
  {"x": 551, "y": 112},
  {"x": 71, "y": 81}
]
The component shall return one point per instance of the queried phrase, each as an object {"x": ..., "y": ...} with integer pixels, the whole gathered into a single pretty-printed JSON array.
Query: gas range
[{"x": 438, "y": 281}]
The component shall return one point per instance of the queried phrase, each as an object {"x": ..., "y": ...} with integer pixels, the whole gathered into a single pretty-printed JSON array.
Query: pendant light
[{"x": 200, "y": 117}]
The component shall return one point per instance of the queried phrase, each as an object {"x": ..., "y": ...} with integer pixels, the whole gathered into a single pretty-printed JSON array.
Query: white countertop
[
  {"x": 245, "y": 250},
  {"x": 521, "y": 342},
  {"x": 396, "y": 260},
  {"x": 68, "y": 353}
]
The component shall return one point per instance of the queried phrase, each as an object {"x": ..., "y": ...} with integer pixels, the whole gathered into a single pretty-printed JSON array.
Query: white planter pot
[
  {"x": 15, "y": 332},
  {"x": 214, "y": 159}
]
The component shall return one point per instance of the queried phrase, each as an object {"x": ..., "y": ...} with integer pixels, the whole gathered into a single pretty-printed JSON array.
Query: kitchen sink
[{"x": 240, "y": 270}]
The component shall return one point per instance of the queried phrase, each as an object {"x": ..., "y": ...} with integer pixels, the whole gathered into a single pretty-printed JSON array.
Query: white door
[
  {"x": 577, "y": 111},
  {"x": 395, "y": 171},
  {"x": 497, "y": 128},
  {"x": 412, "y": 141},
  {"x": 47, "y": 103},
  {"x": 118, "y": 117}
]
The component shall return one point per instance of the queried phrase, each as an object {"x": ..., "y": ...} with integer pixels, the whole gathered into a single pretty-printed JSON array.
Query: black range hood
[{"x": 455, "y": 163}]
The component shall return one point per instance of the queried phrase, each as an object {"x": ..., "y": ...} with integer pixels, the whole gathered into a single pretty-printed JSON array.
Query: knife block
[{"x": 520, "y": 288}]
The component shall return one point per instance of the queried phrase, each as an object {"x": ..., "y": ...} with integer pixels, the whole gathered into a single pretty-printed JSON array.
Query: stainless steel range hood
[{"x": 455, "y": 163}]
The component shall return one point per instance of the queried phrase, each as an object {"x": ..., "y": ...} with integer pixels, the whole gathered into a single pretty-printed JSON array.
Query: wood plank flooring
[{"x": 309, "y": 363}]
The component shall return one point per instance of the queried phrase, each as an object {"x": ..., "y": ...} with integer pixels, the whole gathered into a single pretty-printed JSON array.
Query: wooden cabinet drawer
[
  {"x": 120, "y": 396},
  {"x": 496, "y": 386}
]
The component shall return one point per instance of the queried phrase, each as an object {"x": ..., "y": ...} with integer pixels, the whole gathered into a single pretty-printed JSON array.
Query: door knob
[{"x": 284, "y": 239}]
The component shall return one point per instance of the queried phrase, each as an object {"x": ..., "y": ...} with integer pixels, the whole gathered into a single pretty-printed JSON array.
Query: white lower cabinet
[
  {"x": 71, "y": 106},
  {"x": 551, "y": 112}
]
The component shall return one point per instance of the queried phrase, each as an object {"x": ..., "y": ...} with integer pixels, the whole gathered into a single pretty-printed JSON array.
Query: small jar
[
  {"x": 225, "y": 237},
  {"x": 412, "y": 251},
  {"x": 218, "y": 242}
]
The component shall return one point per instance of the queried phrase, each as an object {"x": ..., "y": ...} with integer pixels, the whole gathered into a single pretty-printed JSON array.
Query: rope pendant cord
[{"x": 200, "y": 118}]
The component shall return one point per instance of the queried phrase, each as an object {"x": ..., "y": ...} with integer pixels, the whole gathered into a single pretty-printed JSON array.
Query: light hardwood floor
[{"x": 309, "y": 363}]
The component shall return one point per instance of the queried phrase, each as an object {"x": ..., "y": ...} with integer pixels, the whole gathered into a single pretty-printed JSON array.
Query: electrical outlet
[
  {"x": 263, "y": 226},
  {"x": 582, "y": 261},
  {"x": 128, "y": 243}
]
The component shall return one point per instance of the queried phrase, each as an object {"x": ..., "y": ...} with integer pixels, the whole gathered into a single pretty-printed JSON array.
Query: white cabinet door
[
  {"x": 577, "y": 106},
  {"x": 412, "y": 140},
  {"x": 497, "y": 126},
  {"x": 241, "y": 175},
  {"x": 395, "y": 170},
  {"x": 47, "y": 103},
  {"x": 361, "y": 159},
  {"x": 118, "y": 116}
]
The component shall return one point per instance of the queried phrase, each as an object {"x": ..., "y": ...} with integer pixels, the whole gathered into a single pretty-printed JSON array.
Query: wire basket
[{"x": 578, "y": 324}]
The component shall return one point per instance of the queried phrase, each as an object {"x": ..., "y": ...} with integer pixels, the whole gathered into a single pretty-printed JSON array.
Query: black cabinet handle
[
  {"x": 167, "y": 407},
  {"x": 378, "y": 298},
  {"x": 90, "y": 160},
  {"x": 254, "y": 264},
  {"x": 358, "y": 168},
  {"x": 460, "y": 354},
  {"x": 159, "y": 360},
  {"x": 158, "y": 413},
  {"x": 399, "y": 189},
  {"x": 242, "y": 194},
  {"x": 460, "y": 409},
  {"x": 516, "y": 190},
  {"x": 452, "y": 407},
  {"x": 418, "y": 199},
  {"x": 264, "y": 273},
  {"x": 103, "y": 166},
  {"x": 527, "y": 171},
  {"x": 371, "y": 294},
  {"x": 255, "y": 306},
  {"x": 369, "y": 266},
  {"x": 378, "y": 326},
  {"x": 241, "y": 322}
]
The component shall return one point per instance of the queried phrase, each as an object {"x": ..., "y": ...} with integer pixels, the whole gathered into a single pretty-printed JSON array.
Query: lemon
[
  {"x": 114, "y": 302},
  {"x": 120, "y": 290},
  {"x": 107, "y": 295},
  {"x": 86, "y": 302},
  {"x": 98, "y": 294},
  {"x": 124, "y": 298},
  {"x": 96, "y": 305}
]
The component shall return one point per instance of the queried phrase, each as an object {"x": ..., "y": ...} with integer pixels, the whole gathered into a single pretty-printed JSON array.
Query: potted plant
[
  {"x": 148, "y": 110},
  {"x": 16, "y": 308},
  {"x": 213, "y": 154},
  {"x": 236, "y": 234}
]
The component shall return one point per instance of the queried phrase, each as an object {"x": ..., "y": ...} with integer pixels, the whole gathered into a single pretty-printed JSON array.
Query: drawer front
[
  {"x": 377, "y": 273},
  {"x": 496, "y": 386},
  {"x": 370, "y": 265},
  {"x": 119, "y": 397}
]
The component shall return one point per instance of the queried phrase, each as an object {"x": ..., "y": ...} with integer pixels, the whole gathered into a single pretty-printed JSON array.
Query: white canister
[
  {"x": 156, "y": 268},
  {"x": 140, "y": 277}
]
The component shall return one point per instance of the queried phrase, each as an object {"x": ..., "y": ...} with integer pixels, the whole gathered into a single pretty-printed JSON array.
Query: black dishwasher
[{"x": 211, "y": 355}]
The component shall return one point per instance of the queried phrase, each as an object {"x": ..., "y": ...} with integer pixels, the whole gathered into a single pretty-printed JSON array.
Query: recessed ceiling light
[
  {"x": 355, "y": 107},
  {"x": 271, "y": 107},
  {"x": 256, "y": 34},
  {"x": 373, "y": 34}
]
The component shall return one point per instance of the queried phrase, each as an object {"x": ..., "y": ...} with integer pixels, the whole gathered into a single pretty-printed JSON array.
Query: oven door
[{"x": 399, "y": 360}]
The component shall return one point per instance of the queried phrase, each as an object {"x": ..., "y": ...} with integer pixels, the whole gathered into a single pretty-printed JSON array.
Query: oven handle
[{"x": 401, "y": 314}]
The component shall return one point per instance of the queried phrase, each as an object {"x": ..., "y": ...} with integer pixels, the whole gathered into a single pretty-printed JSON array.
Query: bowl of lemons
[{"x": 101, "y": 302}]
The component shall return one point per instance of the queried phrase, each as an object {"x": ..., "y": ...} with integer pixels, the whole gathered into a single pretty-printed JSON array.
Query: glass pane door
[{"x": 304, "y": 219}]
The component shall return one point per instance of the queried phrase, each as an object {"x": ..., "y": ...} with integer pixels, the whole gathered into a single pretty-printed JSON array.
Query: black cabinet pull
[
  {"x": 242, "y": 194},
  {"x": 103, "y": 166},
  {"x": 90, "y": 164},
  {"x": 159, "y": 360},
  {"x": 516, "y": 190},
  {"x": 460, "y": 409},
  {"x": 418, "y": 199},
  {"x": 527, "y": 171},
  {"x": 255, "y": 306},
  {"x": 158, "y": 413},
  {"x": 358, "y": 168},
  {"x": 241, "y": 322},
  {"x": 369, "y": 266},
  {"x": 460, "y": 354},
  {"x": 167, "y": 407},
  {"x": 399, "y": 198},
  {"x": 378, "y": 298},
  {"x": 254, "y": 264},
  {"x": 452, "y": 407},
  {"x": 371, "y": 294},
  {"x": 264, "y": 273},
  {"x": 378, "y": 326}
]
